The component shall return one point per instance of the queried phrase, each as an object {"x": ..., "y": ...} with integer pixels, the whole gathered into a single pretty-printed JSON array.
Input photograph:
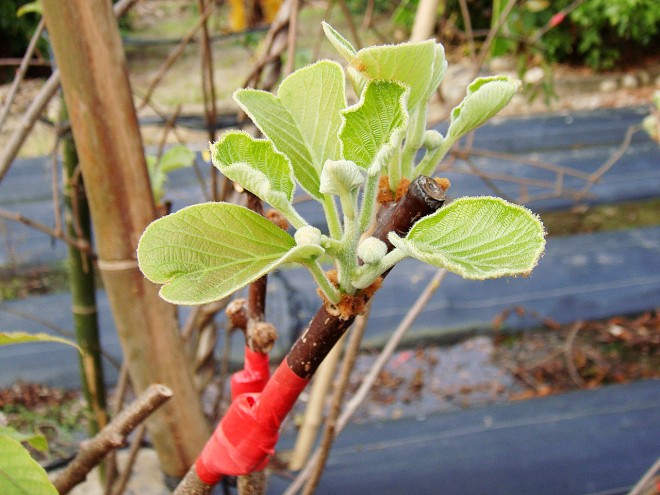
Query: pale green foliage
[
  {"x": 36, "y": 440},
  {"x": 9, "y": 338},
  {"x": 173, "y": 159},
  {"x": 374, "y": 126},
  {"x": 338, "y": 154},
  {"x": 485, "y": 97},
  {"x": 303, "y": 119},
  {"x": 205, "y": 252},
  {"x": 340, "y": 177},
  {"x": 477, "y": 238},
  {"x": 260, "y": 168},
  {"x": 19, "y": 473}
]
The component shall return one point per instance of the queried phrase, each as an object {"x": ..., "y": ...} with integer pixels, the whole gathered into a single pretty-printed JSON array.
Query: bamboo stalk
[
  {"x": 97, "y": 93},
  {"x": 82, "y": 285}
]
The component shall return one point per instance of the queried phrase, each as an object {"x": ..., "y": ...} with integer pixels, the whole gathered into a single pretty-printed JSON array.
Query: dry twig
[{"x": 111, "y": 437}]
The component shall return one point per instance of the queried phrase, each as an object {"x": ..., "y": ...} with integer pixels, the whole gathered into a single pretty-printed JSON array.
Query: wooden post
[{"x": 89, "y": 54}]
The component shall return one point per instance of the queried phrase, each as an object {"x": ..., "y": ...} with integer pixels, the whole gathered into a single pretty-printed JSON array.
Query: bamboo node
[{"x": 116, "y": 265}]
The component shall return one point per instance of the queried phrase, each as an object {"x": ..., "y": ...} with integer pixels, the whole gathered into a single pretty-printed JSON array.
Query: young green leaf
[
  {"x": 477, "y": 238},
  {"x": 19, "y": 473},
  {"x": 206, "y": 252},
  {"x": 418, "y": 65},
  {"x": 303, "y": 119},
  {"x": 340, "y": 177},
  {"x": 257, "y": 166},
  {"x": 176, "y": 157},
  {"x": 9, "y": 338},
  {"x": 375, "y": 125},
  {"x": 341, "y": 44},
  {"x": 36, "y": 440},
  {"x": 485, "y": 97}
]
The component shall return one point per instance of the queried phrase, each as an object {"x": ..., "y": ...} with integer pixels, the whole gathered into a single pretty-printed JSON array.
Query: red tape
[
  {"x": 247, "y": 434},
  {"x": 253, "y": 377}
]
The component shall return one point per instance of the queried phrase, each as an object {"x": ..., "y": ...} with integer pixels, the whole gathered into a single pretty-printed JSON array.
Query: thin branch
[
  {"x": 568, "y": 353},
  {"x": 465, "y": 14},
  {"x": 20, "y": 73},
  {"x": 550, "y": 24},
  {"x": 27, "y": 121},
  {"x": 38, "y": 105},
  {"x": 130, "y": 460},
  {"x": 615, "y": 157},
  {"x": 18, "y": 217},
  {"x": 111, "y": 437},
  {"x": 174, "y": 55},
  {"x": 369, "y": 380},
  {"x": 641, "y": 485},
  {"x": 485, "y": 48},
  {"x": 351, "y": 24},
  {"x": 291, "y": 38}
]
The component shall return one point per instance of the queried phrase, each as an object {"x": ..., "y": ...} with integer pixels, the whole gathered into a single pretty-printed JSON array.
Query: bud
[
  {"x": 372, "y": 250},
  {"x": 339, "y": 177},
  {"x": 432, "y": 139},
  {"x": 307, "y": 235}
]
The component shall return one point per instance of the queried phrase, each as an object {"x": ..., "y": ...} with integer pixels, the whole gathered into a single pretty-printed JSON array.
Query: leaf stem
[
  {"x": 367, "y": 274},
  {"x": 368, "y": 202},
  {"x": 329, "y": 290},
  {"x": 292, "y": 216},
  {"x": 433, "y": 157},
  {"x": 394, "y": 169},
  {"x": 414, "y": 140},
  {"x": 332, "y": 216}
]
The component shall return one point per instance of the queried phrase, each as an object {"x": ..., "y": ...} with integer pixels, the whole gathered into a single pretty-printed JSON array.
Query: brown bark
[
  {"x": 111, "y": 437},
  {"x": 97, "y": 93}
]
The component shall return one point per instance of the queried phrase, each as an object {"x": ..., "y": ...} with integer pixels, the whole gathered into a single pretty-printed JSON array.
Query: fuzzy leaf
[
  {"x": 303, "y": 119},
  {"x": 485, "y": 97},
  {"x": 19, "y": 473},
  {"x": 256, "y": 165},
  {"x": 418, "y": 65},
  {"x": 340, "y": 177},
  {"x": 375, "y": 125},
  {"x": 477, "y": 238},
  {"x": 206, "y": 252},
  {"x": 9, "y": 338},
  {"x": 341, "y": 44}
]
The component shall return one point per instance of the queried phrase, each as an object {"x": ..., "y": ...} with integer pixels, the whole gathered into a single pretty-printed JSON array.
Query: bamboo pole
[
  {"x": 82, "y": 284},
  {"x": 105, "y": 129}
]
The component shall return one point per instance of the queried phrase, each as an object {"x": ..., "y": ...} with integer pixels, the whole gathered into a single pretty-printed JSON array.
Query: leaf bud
[
  {"x": 372, "y": 250},
  {"x": 339, "y": 177},
  {"x": 307, "y": 235}
]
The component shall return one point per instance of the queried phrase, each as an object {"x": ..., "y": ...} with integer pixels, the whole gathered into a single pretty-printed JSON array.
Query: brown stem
[
  {"x": 112, "y": 436},
  {"x": 175, "y": 54},
  {"x": 20, "y": 73},
  {"x": 122, "y": 483},
  {"x": 424, "y": 196},
  {"x": 328, "y": 437},
  {"x": 84, "y": 247}
]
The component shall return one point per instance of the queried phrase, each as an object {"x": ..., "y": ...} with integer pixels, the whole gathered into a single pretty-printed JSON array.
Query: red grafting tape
[
  {"x": 253, "y": 377},
  {"x": 247, "y": 434}
]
